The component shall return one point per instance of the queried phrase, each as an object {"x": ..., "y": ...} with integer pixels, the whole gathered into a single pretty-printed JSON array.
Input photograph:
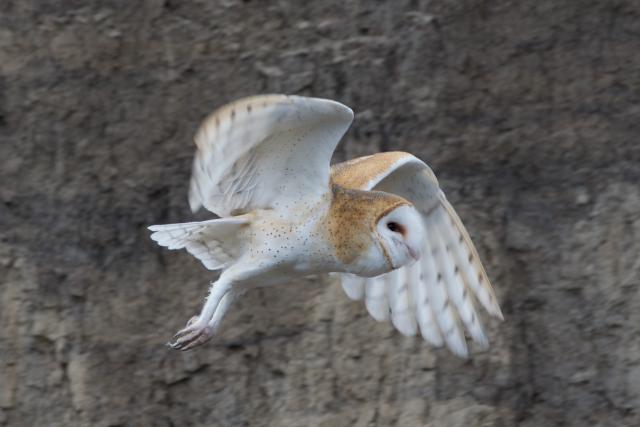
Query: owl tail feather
[{"x": 216, "y": 243}]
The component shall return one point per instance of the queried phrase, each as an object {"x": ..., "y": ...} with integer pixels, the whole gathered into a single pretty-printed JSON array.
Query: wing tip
[
  {"x": 157, "y": 236},
  {"x": 345, "y": 112},
  {"x": 194, "y": 202},
  {"x": 433, "y": 337},
  {"x": 378, "y": 311},
  {"x": 352, "y": 285},
  {"x": 327, "y": 106},
  {"x": 462, "y": 351},
  {"x": 406, "y": 326},
  {"x": 491, "y": 306}
]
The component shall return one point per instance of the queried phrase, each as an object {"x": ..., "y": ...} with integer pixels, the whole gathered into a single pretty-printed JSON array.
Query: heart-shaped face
[{"x": 401, "y": 233}]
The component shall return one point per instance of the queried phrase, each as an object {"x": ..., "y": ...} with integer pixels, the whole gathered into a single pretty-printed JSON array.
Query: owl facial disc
[{"x": 401, "y": 232}]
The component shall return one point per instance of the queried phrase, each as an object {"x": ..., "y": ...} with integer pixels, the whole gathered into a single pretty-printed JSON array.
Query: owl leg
[
  {"x": 200, "y": 330},
  {"x": 222, "y": 309},
  {"x": 214, "y": 323}
]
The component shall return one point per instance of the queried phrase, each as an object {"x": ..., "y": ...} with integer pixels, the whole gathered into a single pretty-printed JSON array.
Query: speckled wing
[
  {"x": 263, "y": 151},
  {"x": 434, "y": 295}
]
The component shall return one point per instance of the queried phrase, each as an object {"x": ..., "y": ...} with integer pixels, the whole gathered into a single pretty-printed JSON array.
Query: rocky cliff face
[{"x": 528, "y": 111}]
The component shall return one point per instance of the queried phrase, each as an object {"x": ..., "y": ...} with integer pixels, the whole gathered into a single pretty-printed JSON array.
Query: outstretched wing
[
  {"x": 264, "y": 151},
  {"x": 214, "y": 242},
  {"x": 434, "y": 295}
]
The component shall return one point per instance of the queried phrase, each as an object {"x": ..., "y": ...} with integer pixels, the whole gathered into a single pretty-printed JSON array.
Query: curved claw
[
  {"x": 193, "y": 335},
  {"x": 186, "y": 330},
  {"x": 201, "y": 339}
]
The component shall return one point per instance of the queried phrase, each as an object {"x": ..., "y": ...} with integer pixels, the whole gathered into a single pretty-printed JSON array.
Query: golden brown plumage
[
  {"x": 268, "y": 157},
  {"x": 450, "y": 267},
  {"x": 352, "y": 217},
  {"x": 357, "y": 173}
]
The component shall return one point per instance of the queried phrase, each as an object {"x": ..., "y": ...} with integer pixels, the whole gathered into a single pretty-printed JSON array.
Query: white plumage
[
  {"x": 263, "y": 165},
  {"x": 263, "y": 151},
  {"x": 440, "y": 287},
  {"x": 213, "y": 242}
]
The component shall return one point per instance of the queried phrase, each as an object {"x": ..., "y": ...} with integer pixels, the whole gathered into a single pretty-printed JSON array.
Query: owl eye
[{"x": 395, "y": 227}]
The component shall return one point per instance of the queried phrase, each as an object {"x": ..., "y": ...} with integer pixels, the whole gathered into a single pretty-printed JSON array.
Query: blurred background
[{"x": 528, "y": 111}]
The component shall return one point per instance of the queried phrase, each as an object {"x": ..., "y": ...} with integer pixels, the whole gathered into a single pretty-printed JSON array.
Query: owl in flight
[{"x": 381, "y": 223}]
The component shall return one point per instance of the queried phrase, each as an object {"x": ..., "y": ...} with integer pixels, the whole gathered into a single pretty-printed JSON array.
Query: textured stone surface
[{"x": 528, "y": 111}]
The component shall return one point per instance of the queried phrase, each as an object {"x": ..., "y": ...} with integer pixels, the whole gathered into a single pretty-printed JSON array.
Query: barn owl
[{"x": 380, "y": 223}]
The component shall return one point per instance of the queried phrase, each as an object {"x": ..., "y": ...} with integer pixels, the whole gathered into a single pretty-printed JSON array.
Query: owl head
[
  {"x": 373, "y": 232},
  {"x": 400, "y": 233}
]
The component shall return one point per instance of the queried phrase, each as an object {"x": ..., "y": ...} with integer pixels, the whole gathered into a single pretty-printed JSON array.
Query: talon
[
  {"x": 186, "y": 330},
  {"x": 201, "y": 339},
  {"x": 174, "y": 345},
  {"x": 191, "y": 336}
]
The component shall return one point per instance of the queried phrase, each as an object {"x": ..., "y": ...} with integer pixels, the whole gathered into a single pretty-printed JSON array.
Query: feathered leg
[
  {"x": 231, "y": 283},
  {"x": 214, "y": 323},
  {"x": 201, "y": 329},
  {"x": 223, "y": 308}
]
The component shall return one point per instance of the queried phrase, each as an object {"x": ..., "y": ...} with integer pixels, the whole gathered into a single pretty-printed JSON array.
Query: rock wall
[{"x": 528, "y": 111}]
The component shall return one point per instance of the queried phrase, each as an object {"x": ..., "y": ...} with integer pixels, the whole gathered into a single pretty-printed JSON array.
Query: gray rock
[{"x": 527, "y": 111}]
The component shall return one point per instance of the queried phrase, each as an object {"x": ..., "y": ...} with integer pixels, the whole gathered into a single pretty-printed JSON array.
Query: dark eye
[{"x": 395, "y": 227}]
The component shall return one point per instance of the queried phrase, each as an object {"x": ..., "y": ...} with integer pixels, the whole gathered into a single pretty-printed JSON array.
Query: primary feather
[
  {"x": 265, "y": 151},
  {"x": 441, "y": 288},
  {"x": 262, "y": 164}
]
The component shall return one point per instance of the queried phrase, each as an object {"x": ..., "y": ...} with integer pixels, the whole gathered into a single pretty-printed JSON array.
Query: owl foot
[{"x": 194, "y": 334}]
